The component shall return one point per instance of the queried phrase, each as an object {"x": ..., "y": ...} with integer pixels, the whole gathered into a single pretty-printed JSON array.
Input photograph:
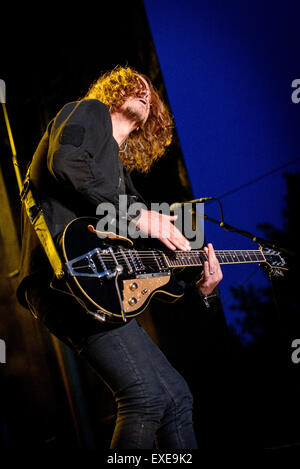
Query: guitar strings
[
  {"x": 153, "y": 258},
  {"x": 184, "y": 253},
  {"x": 139, "y": 260}
]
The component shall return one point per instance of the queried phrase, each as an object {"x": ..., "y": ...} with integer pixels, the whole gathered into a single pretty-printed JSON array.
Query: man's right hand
[{"x": 158, "y": 225}]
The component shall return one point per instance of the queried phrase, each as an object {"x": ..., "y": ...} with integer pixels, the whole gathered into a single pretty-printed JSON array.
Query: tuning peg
[{"x": 277, "y": 273}]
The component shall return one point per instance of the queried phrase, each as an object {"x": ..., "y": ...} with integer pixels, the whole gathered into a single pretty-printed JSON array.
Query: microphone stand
[
  {"x": 232, "y": 229},
  {"x": 247, "y": 234}
]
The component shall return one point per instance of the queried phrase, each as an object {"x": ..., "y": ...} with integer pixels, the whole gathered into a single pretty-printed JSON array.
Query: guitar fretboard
[{"x": 197, "y": 258}]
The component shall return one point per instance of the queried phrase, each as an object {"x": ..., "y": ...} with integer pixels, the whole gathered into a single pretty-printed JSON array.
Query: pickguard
[{"x": 137, "y": 291}]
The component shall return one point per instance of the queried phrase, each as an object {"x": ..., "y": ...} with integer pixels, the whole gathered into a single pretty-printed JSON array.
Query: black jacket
[{"x": 75, "y": 167}]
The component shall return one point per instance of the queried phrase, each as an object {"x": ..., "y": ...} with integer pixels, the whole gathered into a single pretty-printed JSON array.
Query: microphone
[{"x": 176, "y": 205}]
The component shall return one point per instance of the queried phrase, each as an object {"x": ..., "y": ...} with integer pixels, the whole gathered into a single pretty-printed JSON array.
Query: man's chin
[{"x": 133, "y": 115}]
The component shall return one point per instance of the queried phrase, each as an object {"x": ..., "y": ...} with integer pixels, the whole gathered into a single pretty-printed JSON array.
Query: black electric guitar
[{"x": 114, "y": 280}]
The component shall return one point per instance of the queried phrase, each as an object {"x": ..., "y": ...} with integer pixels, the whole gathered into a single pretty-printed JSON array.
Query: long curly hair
[{"x": 149, "y": 141}]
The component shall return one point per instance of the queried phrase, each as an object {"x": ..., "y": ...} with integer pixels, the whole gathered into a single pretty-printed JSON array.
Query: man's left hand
[{"x": 212, "y": 273}]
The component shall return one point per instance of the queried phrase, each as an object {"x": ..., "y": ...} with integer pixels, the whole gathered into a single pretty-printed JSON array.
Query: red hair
[{"x": 149, "y": 142}]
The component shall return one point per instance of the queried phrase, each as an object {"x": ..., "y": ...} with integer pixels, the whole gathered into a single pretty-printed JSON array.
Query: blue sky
[{"x": 228, "y": 68}]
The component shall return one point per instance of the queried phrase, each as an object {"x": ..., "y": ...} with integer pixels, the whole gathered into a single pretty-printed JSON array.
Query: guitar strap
[{"x": 37, "y": 220}]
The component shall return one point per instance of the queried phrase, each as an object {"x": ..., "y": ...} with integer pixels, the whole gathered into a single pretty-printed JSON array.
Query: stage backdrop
[{"x": 229, "y": 68}]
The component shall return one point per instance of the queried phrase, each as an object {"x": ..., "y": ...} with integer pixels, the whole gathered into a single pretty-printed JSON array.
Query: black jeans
[{"x": 153, "y": 400}]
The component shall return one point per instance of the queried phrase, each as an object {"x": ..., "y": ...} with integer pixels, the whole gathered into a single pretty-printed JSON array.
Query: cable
[{"x": 257, "y": 179}]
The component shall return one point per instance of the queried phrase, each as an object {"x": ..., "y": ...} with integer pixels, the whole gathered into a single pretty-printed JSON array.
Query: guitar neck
[{"x": 197, "y": 258}]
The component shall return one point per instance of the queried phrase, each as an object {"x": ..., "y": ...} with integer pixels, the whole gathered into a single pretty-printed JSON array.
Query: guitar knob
[
  {"x": 133, "y": 286},
  {"x": 132, "y": 301}
]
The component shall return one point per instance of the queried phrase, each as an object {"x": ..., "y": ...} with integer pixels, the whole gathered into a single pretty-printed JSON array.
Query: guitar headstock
[{"x": 275, "y": 261}]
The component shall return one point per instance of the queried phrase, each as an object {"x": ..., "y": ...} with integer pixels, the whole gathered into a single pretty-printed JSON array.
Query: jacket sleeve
[
  {"x": 83, "y": 156},
  {"x": 80, "y": 152},
  {"x": 187, "y": 279}
]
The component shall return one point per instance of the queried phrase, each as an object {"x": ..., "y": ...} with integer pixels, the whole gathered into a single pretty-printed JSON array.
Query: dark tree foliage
[{"x": 277, "y": 305}]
